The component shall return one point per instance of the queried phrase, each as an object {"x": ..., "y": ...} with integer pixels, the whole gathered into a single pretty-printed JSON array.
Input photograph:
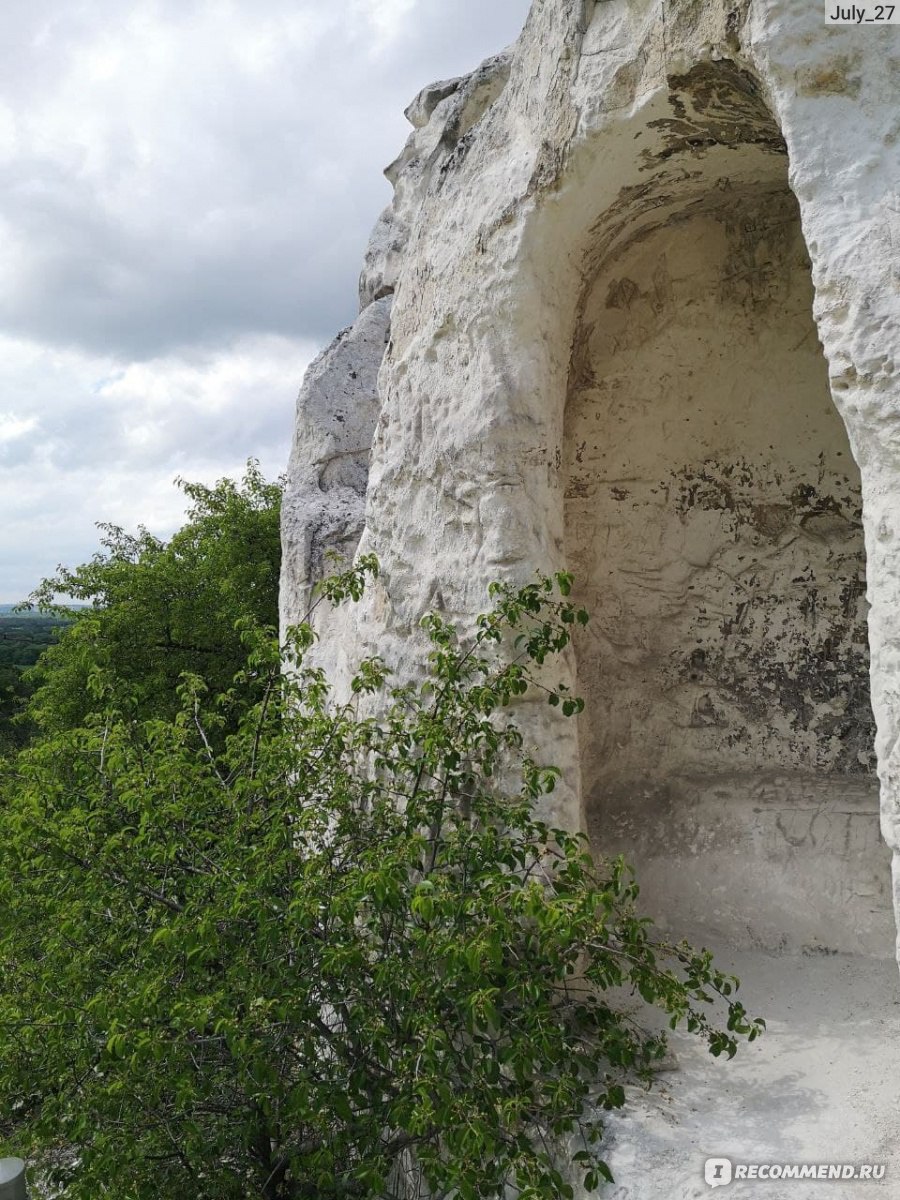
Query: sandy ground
[{"x": 822, "y": 1086}]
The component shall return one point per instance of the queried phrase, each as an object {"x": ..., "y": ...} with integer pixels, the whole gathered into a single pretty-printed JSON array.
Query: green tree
[
  {"x": 331, "y": 954},
  {"x": 156, "y": 609}
]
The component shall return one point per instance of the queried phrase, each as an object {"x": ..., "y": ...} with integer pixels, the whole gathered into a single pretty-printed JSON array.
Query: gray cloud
[
  {"x": 186, "y": 190},
  {"x": 176, "y": 174}
]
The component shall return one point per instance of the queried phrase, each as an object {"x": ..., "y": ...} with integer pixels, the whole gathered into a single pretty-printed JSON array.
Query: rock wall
[
  {"x": 605, "y": 352},
  {"x": 328, "y": 471},
  {"x": 713, "y": 517}
]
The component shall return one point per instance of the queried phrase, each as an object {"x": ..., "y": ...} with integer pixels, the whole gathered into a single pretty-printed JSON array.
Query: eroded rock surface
[
  {"x": 644, "y": 269},
  {"x": 324, "y": 501}
]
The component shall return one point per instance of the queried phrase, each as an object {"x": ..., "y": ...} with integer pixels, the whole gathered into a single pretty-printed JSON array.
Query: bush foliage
[{"x": 269, "y": 943}]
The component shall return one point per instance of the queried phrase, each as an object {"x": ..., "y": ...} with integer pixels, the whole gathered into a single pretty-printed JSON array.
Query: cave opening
[{"x": 713, "y": 522}]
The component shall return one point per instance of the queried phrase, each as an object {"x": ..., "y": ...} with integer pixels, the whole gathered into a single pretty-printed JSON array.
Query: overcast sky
[{"x": 186, "y": 191}]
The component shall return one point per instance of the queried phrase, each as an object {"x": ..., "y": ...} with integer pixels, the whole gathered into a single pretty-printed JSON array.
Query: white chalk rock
[
  {"x": 324, "y": 502},
  {"x": 646, "y": 324}
]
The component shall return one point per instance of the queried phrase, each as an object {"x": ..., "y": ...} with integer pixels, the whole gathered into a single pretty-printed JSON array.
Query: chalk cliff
[{"x": 635, "y": 311}]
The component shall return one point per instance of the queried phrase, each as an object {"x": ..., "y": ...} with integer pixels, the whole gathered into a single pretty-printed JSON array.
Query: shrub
[{"x": 333, "y": 953}]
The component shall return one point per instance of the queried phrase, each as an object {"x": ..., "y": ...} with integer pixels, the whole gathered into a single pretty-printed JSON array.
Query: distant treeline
[{"x": 23, "y": 638}]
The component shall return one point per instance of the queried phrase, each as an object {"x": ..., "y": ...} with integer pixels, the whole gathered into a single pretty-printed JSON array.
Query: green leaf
[{"x": 261, "y": 923}]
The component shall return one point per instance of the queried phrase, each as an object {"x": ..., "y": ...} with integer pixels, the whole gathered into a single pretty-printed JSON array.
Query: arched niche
[{"x": 713, "y": 520}]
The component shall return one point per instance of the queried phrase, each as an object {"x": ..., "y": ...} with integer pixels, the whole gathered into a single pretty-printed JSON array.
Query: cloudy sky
[{"x": 186, "y": 190}]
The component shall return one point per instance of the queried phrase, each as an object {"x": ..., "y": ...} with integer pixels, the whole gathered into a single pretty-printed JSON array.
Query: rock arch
[
  {"x": 605, "y": 128},
  {"x": 713, "y": 516}
]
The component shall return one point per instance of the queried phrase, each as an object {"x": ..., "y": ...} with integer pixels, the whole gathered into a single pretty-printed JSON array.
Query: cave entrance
[{"x": 713, "y": 522}]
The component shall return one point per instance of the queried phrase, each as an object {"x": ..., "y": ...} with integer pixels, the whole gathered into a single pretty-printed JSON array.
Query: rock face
[
  {"x": 645, "y": 281},
  {"x": 337, "y": 411},
  {"x": 644, "y": 270},
  {"x": 713, "y": 517}
]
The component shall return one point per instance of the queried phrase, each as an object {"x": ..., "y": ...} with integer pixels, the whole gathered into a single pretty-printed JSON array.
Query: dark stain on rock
[
  {"x": 622, "y": 293},
  {"x": 716, "y": 104},
  {"x": 839, "y": 77},
  {"x": 771, "y": 520},
  {"x": 793, "y": 662}
]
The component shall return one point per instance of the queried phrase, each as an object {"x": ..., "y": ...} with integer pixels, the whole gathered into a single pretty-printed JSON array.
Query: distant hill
[{"x": 9, "y": 610}]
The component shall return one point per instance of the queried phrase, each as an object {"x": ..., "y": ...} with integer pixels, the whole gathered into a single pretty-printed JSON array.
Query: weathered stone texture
[
  {"x": 324, "y": 501},
  {"x": 713, "y": 518},
  {"x": 645, "y": 272}
]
